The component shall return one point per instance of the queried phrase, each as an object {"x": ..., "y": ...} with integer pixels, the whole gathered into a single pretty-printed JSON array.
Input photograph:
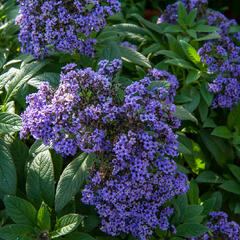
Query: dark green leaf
[
  {"x": 40, "y": 179},
  {"x": 192, "y": 211},
  {"x": 206, "y": 28},
  {"x": 193, "y": 192},
  {"x": 66, "y": 225},
  {"x": 168, "y": 53},
  {"x": 10, "y": 122},
  {"x": 209, "y": 177},
  {"x": 184, "y": 114},
  {"x": 135, "y": 57},
  {"x": 110, "y": 51},
  {"x": 8, "y": 178},
  {"x": 181, "y": 63},
  {"x": 20, "y": 210},
  {"x": 210, "y": 36},
  {"x": 16, "y": 231},
  {"x": 193, "y": 76},
  {"x": 207, "y": 96},
  {"x": 208, "y": 206},
  {"x": 191, "y": 230},
  {"x": 222, "y": 131},
  {"x": 231, "y": 186},
  {"x": 72, "y": 179},
  {"x": 79, "y": 236},
  {"x": 43, "y": 218},
  {"x": 235, "y": 170},
  {"x": 157, "y": 84},
  {"x": 234, "y": 117},
  {"x": 182, "y": 14}
]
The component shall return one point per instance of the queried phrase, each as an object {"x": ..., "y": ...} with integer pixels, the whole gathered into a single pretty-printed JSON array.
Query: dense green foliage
[{"x": 40, "y": 191}]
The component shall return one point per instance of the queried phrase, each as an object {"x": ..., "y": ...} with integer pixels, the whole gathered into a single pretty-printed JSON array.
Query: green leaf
[
  {"x": 7, "y": 76},
  {"x": 22, "y": 77},
  {"x": 184, "y": 114},
  {"x": 3, "y": 56},
  {"x": 209, "y": 123},
  {"x": 171, "y": 28},
  {"x": 43, "y": 218},
  {"x": 192, "y": 211},
  {"x": 234, "y": 29},
  {"x": 203, "y": 110},
  {"x": 235, "y": 170},
  {"x": 191, "y": 230},
  {"x": 154, "y": 27},
  {"x": 210, "y": 36},
  {"x": 182, "y": 14},
  {"x": 207, "y": 96},
  {"x": 193, "y": 192},
  {"x": 135, "y": 57},
  {"x": 218, "y": 204},
  {"x": 66, "y": 225},
  {"x": 168, "y": 53},
  {"x": 72, "y": 180},
  {"x": 37, "y": 148},
  {"x": 193, "y": 76},
  {"x": 52, "y": 78},
  {"x": 19, "y": 153},
  {"x": 110, "y": 51},
  {"x": 220, "y": 150},
  {"x": 183, "y": 149},
  {"x": 8, "y": 176},
  {"x": 10, "y": 122},
  {"x": 129, "y": 27},
  {"x": 231, "y": 186},
  {"x": 209, "y": 177},
  {"x": 40, "y": 179},
  {"x": 208, "y": 206},
  {"x": 79, "y": 236},
  {"x": 151, "y": 49},
  {"x": 193, "y": 93},
  {"x": 234, "y": 117},
  {"x": 20, "y": 210},
  {"x": 222, "y": 131},
  {"x": 206, "y": 28},
  {"x": 191, "y": 17},
  {"x": 16, "y": 231},
  {"x": 181, "y": 63},
  {"x": 190, "y": 52}
]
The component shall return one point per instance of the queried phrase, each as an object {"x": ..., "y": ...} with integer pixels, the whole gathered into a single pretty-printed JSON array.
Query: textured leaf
[
  {"x": 231, "y": 186},
  {"x": 191, "y": 230},
  {"x": 110, "y": 51},
  {"x": 8, "y": 176},
  {"x": 193, "y": 76},
  {"x": 22, "y": 77},
  {"x": 20, "y": 210},
  {"x": 40, "y": 179},
  {"x": 235, "y": 170},
  {"x": 43, "y": 218},
  {"x": 135, "y": 57},
  {"x": 190, "y": 52},
  {"x": 234, "y": 117},
  {"x": 184, "y": 114},
  {"x": 181, "y": 63},
  {"x": 193, "y": 192},
  {"x": 16, "y": 231},
  {"x": 209, "y": 177},
  {"x": 10, "y": 122},
  {"x": 210, "y": 36},
  {"x": 192, "y": 211},
  {"x": 222, "y": 131},
  {"x": 71, "y": 180},
  {"x": 66, "y": 224},
  {"x": 78, "y": 236}
]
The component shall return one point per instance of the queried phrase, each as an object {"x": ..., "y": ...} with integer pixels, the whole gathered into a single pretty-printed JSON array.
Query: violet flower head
[
  {"x": 220, "y": 228},
  {"x": 47, "y": 26}
]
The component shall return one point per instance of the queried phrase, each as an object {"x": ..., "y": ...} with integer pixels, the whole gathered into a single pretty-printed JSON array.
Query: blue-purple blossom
[
  {"x": 133, "y": 138},
  {"x": 67, "y": 26},
  {"x": 220, "y": 228},
  {"x": 170, "y": 14}
]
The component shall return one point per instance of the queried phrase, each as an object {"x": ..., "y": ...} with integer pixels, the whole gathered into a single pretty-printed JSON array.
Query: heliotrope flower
[
  {"x": 62, "y": 25},
  {"x": 133, "y": 137}
]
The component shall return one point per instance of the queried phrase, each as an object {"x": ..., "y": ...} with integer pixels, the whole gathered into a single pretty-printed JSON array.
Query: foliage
[{"x": 50, "y": 190}]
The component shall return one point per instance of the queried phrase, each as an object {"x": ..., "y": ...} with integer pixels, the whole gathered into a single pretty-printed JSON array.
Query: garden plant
[{"x": 116, "y": 124}]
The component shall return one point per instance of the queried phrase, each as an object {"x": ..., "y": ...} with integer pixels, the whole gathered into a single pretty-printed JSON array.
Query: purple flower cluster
[
  {"x": 128, "y": 45},
  {"x": 170, "y": 14},
  {"x": 221, "y": 55},
  {"x": 63, "y": 117},
  {"x": 62, "y": 25},
  {"x": 133, "y": 138},
  {"x": 221, "y": 228},
  {"x": 223, "y": 58}
]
